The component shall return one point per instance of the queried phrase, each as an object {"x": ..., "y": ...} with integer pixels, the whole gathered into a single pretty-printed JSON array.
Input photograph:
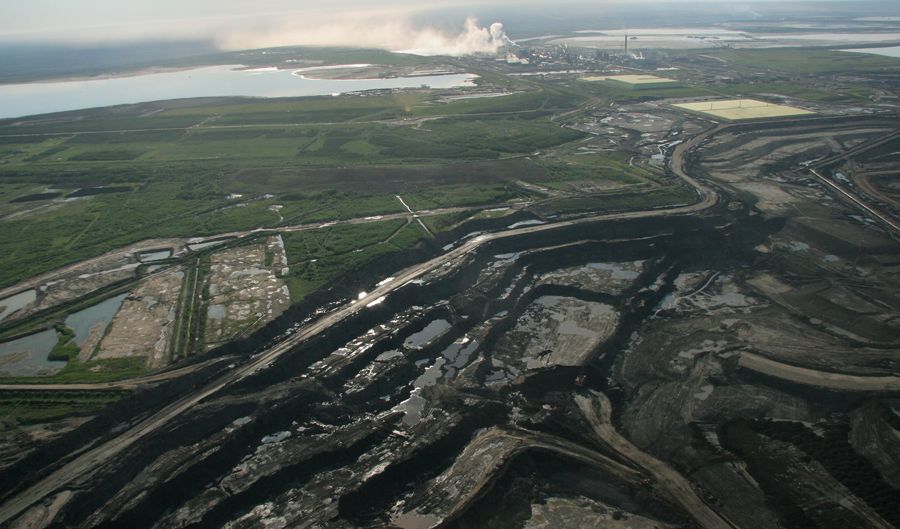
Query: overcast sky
[
  {"x": 231, "y": 23},
  {"x": 113, "y": 19}
]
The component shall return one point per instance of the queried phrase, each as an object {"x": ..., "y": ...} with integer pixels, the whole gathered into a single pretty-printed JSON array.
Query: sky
[
  {"x": 238, "y": 24},
  {"x": 123, "y": 19}
]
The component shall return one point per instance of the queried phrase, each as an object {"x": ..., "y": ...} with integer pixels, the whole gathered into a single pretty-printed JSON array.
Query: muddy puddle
[
  {"x": 453, "y": 358},
  {"x": 457, "y": 355},
  {"x": 430, "y": 332},
  {"x": 157, "y": 255},
  {"x": 216, "y": 312}
]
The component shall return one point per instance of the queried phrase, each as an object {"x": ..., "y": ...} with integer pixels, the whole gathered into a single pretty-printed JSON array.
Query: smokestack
[{"x": 626, "y": 44}]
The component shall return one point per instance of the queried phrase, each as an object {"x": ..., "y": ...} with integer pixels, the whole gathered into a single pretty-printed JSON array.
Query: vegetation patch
[
  {"x": 89, "y": 191},
  {"x": 612, "y": 168},
  {"x": 95, "y": 156},
  {"x": 805, "y": 60},
  {"x": 35, "y": 197},
  {"x": 319, "y": 256},
  {"x": 30, "y": 407},
  {"x": 93, "y": 371},
  {"x": 65, "y": 349}
]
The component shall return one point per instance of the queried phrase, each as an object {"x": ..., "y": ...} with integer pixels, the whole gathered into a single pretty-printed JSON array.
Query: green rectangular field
[{"x": 738, "y": 109}]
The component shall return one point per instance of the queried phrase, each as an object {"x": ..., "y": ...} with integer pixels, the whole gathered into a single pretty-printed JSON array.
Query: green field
[
  {"x": 320, "y": 158},
  {"x": 93, "y": 371},
  {"x": 21, "y": 408},
  {"x": 805, "y": 60},
  {"x": 567, "y": 169},
  {"x": 621, "y": 92},
  {"x": 321, "y": 255}
]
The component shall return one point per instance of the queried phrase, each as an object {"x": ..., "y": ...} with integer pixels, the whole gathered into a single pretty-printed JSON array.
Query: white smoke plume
[
  {"x": 499, "y": 35},
  {"x": 383, "y": 32}
]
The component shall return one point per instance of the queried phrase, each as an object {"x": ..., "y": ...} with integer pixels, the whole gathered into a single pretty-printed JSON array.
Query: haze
[{"x": 237, "y": 25}]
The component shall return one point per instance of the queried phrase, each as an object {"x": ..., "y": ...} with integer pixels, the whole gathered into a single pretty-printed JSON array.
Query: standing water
[
  {"x": 28, "y": 356},
  {"x": 211, "y": 81},
  {"x": 94, "y": 318},
  {"x": 16, "y": 302}
]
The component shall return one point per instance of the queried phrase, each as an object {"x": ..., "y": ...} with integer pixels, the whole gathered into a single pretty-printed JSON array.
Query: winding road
[{"x": 667, "y": 479}]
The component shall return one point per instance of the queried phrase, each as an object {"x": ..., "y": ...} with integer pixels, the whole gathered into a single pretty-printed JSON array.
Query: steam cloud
[{"x": 389, "y": 33}]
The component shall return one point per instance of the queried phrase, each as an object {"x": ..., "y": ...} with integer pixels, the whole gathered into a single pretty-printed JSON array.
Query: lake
[{"x": 25, "y": 99}]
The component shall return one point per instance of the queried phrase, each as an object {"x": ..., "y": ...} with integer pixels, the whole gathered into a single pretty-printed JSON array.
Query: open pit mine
[{"x": 726, "y": 363}]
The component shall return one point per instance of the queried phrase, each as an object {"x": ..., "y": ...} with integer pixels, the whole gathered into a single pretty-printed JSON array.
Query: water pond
[
  {"x": 98, "y": 315},
  {"x": 27, "y": 356},
  {"x": 16, "y": 302}
]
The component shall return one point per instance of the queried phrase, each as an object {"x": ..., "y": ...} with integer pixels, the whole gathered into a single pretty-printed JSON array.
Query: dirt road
[
  {"x": 670, "y": 481},
  {"x": 813, "y": 377},
  {"x": 857, "y": 201}
]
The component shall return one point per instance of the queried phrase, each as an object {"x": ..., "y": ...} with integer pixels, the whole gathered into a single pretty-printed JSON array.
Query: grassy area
[
  {"x": 320, "y": 158},
  {"x": 65, "y": 350},
  {"x": 668, "y": 196},
  {"x": 28, "y": 407},
  {"x": 621, "y": 93},
  {"x": 797, "y": 90},
  {"x": 325, "y": 55},
  {"x": 439, "y": 223},
  {"x": 93, "y": 371},
  {"x": 183, "y": 332},
  {"x": 462, "y": 195},
  {"x": 611, "y": 168},
  {"x": 805, "y": 60},
  {"x": 322, "y": 255}
]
